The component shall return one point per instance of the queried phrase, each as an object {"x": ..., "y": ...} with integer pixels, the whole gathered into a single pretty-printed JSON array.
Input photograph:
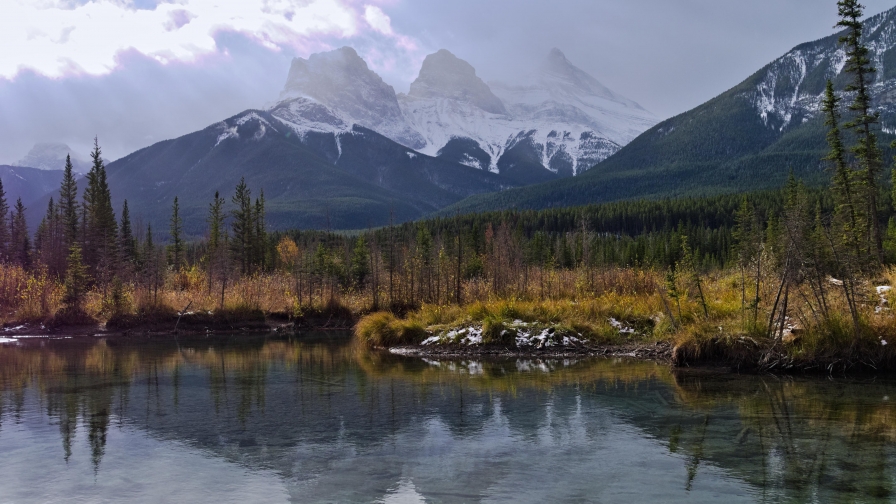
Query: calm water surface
[{"x": 312, "y": 419}]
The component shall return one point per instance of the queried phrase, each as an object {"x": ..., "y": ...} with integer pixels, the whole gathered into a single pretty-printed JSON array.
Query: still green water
[{"x": 310, "y": 418}]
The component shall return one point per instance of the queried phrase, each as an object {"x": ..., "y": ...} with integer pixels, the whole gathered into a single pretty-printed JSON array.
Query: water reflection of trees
[
  {"x": 794, "y": 438},
  {"x": 811, "y": 439}
]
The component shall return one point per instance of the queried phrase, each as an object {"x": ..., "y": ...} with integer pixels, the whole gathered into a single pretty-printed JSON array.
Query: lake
[{"x": 311, "y": 418}]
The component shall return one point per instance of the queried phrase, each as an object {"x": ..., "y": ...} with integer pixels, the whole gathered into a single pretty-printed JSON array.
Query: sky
[{"x": 135, "y": 72}]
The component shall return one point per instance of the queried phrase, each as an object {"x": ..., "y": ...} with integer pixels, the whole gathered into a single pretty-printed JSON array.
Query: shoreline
[
  {"x": 736, "y": 361},
  {"x": 718, "y": 356},
  {"x": 660, "y": 352}
]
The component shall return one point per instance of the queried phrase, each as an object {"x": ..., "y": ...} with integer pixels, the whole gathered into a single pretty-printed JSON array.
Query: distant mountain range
[
  {"x": 342, "y": 150},
  {"x": 748, "y": 138},
  {"x": 556, "y": 123}
]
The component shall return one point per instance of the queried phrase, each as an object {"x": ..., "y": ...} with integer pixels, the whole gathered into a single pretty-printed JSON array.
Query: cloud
[
  {"x": 58, "y": 37},
  {"x": 378, "y": 19},
  {"x": 381, "y": 23}
]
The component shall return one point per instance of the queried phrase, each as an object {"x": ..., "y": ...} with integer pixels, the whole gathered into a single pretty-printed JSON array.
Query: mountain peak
[
  {"x": 341, "y": 80},
  {"x": 557, "y": 68},
  {"x": 444, "y": 75},
  {"x": 51, "y": 156}
]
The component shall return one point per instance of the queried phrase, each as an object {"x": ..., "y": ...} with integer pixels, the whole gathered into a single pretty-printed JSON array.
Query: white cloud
[
  {"x": 378, "y": 19},
  {"x": 58, "y": 37}
]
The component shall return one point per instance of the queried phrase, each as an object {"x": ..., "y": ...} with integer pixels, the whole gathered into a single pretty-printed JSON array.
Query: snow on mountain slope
[
  {"x": 561, "y": 122},
  {"x": 559, "y": 91},
  {"x": 788, "y": 92},
  {"x": 567, "y": 120}
]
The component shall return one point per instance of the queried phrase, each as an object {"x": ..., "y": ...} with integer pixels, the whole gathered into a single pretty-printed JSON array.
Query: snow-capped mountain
[
  {"x": 332, "y": 91},
  {"x": 559, "y": 123},
  {"x": 789, "y": 91},
  {"x": 559, "y": 117},
  {"x": 751, "y": 137},
  {"x": 51, "y": 156}
]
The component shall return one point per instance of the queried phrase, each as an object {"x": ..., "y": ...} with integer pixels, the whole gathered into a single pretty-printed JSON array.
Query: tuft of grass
[{"x": 383, "y": 329}]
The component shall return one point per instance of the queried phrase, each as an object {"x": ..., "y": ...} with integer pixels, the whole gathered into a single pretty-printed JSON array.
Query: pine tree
[
  {"x": 849, "y": 218},
  {"x": 49, "y": 241},
  {"x": 151, "y": 270},
  {"x": 68, "y": 203},
  {"x": 866, "y": 150},
  {"x": 177, "y": 240},
  {"x": 101, "y": 228},
  {"x": 260, "y": 235},
  {"x": 216, "y": 244},
  {"x": 244, "y": 224},
  {"x": 20, "y": 244},
  {"x": 215, "y": 222},
  {"x": 75, "y": 279},
  {"x": 128, "y": 243},
  {"x": 360, "y": 263},
  {"x": 4, "y": 226}
]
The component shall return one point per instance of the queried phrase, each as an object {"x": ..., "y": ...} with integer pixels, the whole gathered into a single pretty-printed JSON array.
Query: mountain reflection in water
[{"x": 312, "y": 418}]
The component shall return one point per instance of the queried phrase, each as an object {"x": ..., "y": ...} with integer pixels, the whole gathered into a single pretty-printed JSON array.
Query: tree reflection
[{"x": 793, "y": 438}]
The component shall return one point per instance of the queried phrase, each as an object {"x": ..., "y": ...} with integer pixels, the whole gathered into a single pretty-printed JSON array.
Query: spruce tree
[
  {"x": 49, "y": 241},
  {"x": 215, "y": 223},
  {"x": 101, "y": 228},
  {"x": 177, "y": 240},
  {"x": 20, "y": 244},
  {"x": 128, "y": 243},
  {"x": 75, "y": 279},
  {"x": 68, "y": 203},
  {"x": 243, "y": 225},
  {"x": 4, "y": 225},
  {"x": 849, "y": 218},
  {"x": 260, "y": 234},
  {"x": 360, "y": 263},
  {"x": 216, "y": 243},
  {"x": 866, "y": 150}
]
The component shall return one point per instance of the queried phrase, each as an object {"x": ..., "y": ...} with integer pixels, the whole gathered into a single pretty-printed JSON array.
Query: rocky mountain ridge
[{"x": 560, "y": 124}]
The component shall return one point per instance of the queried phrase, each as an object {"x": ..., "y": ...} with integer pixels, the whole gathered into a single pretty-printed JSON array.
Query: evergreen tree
[
  {"x": 128, "y": 243},
  {"x": 360, "y": 263},
  {"x": 244, "y": 225},
  {"x": 49, "y": 241},
  {"x": 101, "y": 228},
  {"x": 849, "y": 217},
  {"x": 260, "y": 235},
  {"x": 20, "y": 244},
  {"x": 75, "y": 279},
  {"x": 866, "y": 150},
  {"x": 215, "y": 222},
  {"x": 177, "y": 240},
  {"x": 4, "y": 226},
  {"x": 216, "y": 240},
  {"x": 68, "y": 203}
]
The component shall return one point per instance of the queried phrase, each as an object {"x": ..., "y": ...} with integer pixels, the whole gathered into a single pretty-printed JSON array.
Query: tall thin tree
[
  {"x": 866, "y": 150},
  {"x": 176, "y": 231}
]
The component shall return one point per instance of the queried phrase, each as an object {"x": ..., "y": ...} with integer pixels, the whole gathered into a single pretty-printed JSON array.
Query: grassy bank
[
  {"x": 182, "y": 300},
  {"x": 713, "y": 318}
]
